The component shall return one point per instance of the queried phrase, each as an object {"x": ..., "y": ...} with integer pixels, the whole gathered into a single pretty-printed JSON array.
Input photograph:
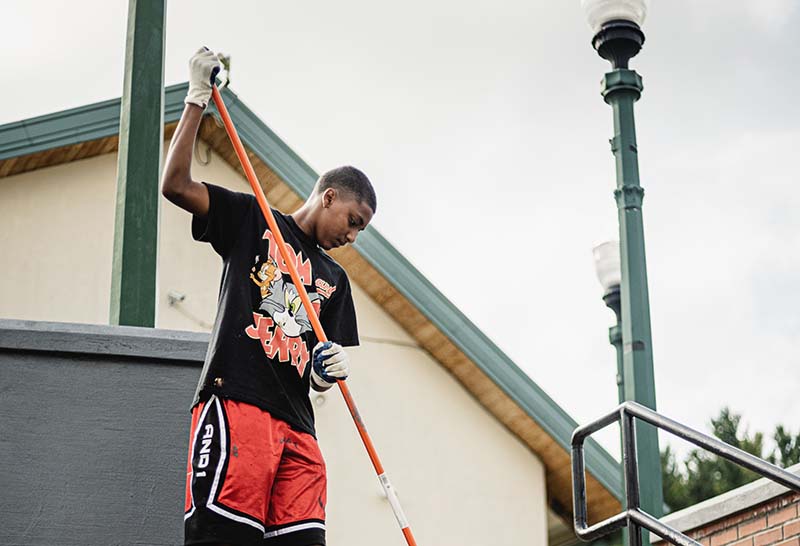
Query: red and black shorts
[{"x": 252, "y": 479}]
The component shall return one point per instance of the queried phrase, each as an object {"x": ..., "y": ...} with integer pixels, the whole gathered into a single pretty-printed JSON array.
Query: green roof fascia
[
  {"x": 485, "y": 354},
  {"x": 101, "y": 119},
  {"x": 76, "y": 125}
]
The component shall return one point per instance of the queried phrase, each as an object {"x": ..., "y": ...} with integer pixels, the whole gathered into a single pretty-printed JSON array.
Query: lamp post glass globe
[
  {"x": 617, "y": 28},
  {"x": 607, "y": 265},
  {"x": 600, "y": 12}
]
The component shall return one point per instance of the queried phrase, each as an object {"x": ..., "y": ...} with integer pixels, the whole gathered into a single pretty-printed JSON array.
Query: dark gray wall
[{"x": 94, "y": 426}]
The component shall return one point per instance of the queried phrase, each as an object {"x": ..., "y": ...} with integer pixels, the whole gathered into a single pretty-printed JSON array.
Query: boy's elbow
[
  {"x": 187, "y": 194},
  {"x": 168, "y": 191},
  {"x": 171, "y": 186}
]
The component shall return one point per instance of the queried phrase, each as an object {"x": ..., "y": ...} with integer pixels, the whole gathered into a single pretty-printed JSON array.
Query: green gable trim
[
  {"x": 101, "y": 119},
  {"x": 484, "y": 353},
  {"x": 270, "y": 148},
  {"x": 76, "y": 125}
]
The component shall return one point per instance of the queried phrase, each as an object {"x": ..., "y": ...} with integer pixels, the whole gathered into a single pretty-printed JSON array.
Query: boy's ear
[{"x": 328, "y": 196}]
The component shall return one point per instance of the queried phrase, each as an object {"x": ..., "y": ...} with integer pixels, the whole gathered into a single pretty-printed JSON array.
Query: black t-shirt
[{"x": 260, "y": 348}]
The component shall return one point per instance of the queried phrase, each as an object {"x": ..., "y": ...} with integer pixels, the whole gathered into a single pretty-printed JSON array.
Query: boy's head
[{"x": 346, "y": 204}]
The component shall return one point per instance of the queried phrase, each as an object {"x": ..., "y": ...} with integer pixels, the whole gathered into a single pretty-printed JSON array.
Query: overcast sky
[{"x": 483, "y": 130}]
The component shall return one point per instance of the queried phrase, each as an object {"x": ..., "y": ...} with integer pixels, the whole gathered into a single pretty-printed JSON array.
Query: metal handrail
[{"x": 634, "y": 517}]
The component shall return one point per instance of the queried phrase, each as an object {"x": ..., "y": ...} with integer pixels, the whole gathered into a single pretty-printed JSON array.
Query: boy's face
[{"x": 341, "y": 218}]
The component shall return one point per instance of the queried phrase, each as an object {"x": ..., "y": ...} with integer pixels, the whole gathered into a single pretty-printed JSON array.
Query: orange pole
[{"x": 315, "y": 323}]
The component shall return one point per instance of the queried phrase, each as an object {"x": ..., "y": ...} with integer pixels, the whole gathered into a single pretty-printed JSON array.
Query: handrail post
[{"x": 631, "y": 470}]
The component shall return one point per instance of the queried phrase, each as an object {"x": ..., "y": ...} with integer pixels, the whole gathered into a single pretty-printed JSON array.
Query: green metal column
[
  {"x": 613, "y": 301},
  {"x": 141, "y": 134},
  {"x": 621, "y": 89}
]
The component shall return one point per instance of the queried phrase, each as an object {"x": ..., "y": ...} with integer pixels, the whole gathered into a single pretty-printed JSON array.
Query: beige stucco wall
[
  {"x": 462, "y": 477},
  {"x": 56, "y": 237}
]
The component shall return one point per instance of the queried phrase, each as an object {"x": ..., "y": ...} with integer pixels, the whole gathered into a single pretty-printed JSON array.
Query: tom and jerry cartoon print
[{"x": 281, "y": 319}]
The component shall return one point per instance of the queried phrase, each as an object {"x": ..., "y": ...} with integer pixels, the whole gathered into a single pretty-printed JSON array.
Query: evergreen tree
[
  {"x": 673, "y": 481},
  {"x": 788, "y": 448},
  {"x": 703, "y": 475}
]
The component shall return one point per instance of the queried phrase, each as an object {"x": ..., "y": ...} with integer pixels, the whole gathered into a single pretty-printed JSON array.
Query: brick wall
[{"x": 775, "y": 522}]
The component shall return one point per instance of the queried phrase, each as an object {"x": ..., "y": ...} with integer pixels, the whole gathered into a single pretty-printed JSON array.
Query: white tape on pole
[{"x": 393, "y": 500}]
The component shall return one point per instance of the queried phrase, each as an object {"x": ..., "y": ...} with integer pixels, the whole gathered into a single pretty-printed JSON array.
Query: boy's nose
[{"x": 351, "y": 236}]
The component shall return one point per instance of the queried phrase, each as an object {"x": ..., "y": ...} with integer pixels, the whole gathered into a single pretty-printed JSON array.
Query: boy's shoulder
[
  {"x": 330, "y": 261},
  {"x": 287, "y": 223},
  {"x": 334, "y": 265}
]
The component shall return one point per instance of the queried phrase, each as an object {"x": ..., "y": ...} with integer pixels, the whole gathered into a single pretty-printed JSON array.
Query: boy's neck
[{"x": 305, "y": 219}]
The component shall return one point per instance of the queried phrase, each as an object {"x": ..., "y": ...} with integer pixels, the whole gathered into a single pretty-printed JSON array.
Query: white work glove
[
  {"x": 329, "y": 363},
  {"x": 203, "y": 68}
]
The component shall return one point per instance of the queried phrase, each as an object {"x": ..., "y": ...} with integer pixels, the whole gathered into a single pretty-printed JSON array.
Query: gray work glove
[
  {"x": 203, "y": 68},
  {"x": 329, "y": 364}
]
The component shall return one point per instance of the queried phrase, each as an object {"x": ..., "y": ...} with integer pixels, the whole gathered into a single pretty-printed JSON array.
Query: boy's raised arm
[{"x": 176, "y": 181}]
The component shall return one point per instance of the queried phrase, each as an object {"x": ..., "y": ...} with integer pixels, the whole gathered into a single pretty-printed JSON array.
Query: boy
[{"x": 255, "y": 472}]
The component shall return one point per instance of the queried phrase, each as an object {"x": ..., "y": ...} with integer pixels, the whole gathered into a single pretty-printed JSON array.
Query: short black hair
[{"x": 352, "y": 181}]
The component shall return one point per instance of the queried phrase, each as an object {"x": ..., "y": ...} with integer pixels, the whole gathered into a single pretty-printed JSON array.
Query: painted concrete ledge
[
  {"x": 116, "y": 341},
  {"x": 727, "y": 504}
]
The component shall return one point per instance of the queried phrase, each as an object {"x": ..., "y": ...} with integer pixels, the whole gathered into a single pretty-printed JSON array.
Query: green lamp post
[
  {"x": 617, "y": 38},
  {"x": 609, "y": 273}
]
